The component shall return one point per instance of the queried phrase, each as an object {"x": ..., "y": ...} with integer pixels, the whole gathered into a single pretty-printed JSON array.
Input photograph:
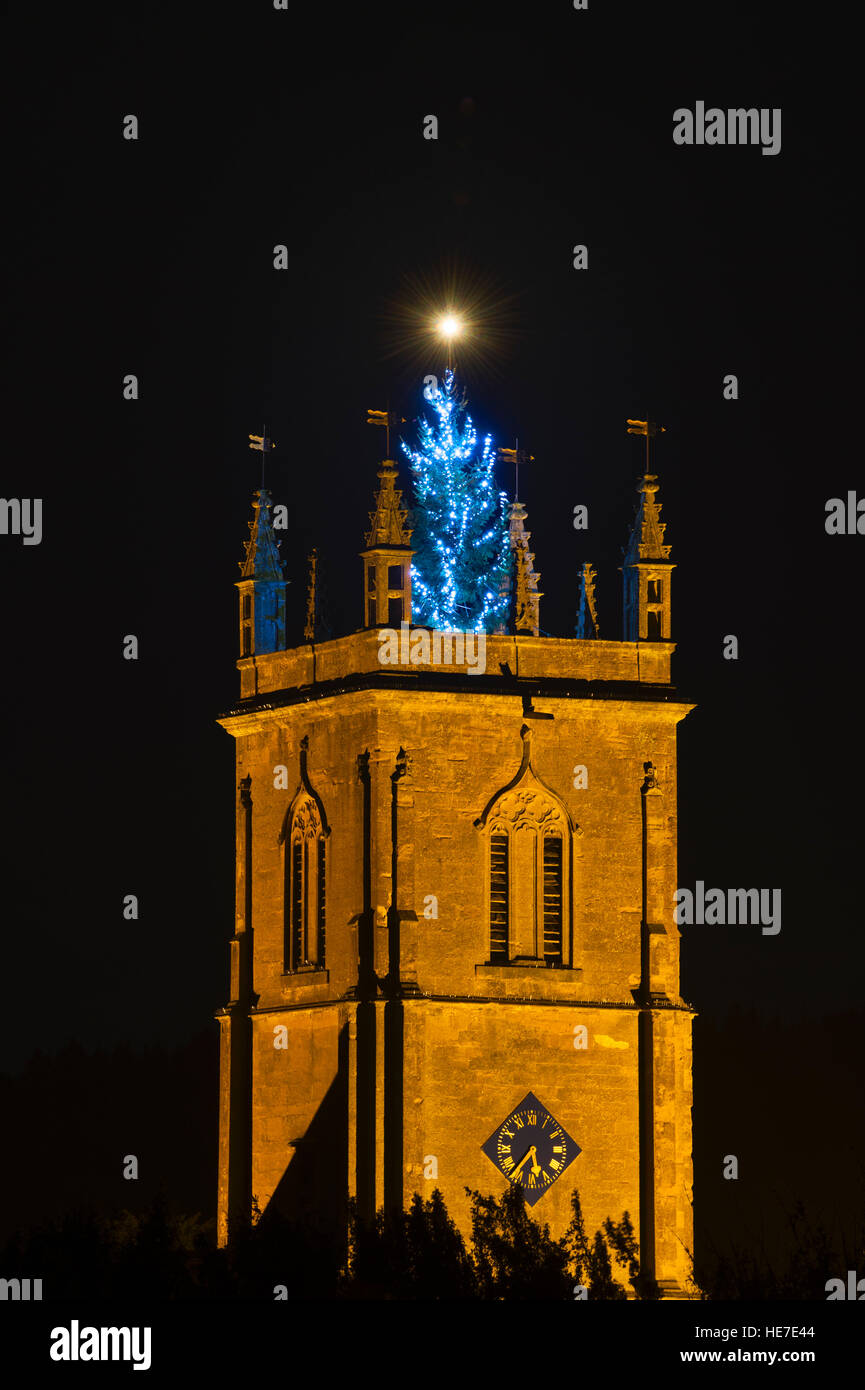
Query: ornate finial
[
  {"x": 587, "y": 617},
  {"x": 647, "y": 535},
  {"x": 389, "y": 521},
  {"x": 261, "y": 560},
  {"x": 522, "y": 582},
  {"x": 527, "y": 595}
]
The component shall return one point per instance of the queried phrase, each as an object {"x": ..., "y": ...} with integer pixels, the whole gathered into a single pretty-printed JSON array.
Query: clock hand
[
  {"x": 532, "y": 1154},
  {"x": 522, "y": 1163}
]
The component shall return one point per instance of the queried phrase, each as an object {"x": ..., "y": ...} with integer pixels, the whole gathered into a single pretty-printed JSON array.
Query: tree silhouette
[
  {"x": 514, "y": 1256},
  {"x": 165, "y": 1253}
]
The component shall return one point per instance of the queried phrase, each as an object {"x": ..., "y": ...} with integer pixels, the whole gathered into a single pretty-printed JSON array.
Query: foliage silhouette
[{"x": 163, "y": 1252}]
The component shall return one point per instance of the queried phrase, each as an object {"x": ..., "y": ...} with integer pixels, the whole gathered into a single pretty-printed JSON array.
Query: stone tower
[{"x": 455, "y": 916}]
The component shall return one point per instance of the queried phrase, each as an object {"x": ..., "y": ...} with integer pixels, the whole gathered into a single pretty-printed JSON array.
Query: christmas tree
[{"x": 462, "y": 550}]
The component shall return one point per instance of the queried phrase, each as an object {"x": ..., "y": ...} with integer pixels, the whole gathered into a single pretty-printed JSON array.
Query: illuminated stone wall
[{"x": 409, "y": 1047}]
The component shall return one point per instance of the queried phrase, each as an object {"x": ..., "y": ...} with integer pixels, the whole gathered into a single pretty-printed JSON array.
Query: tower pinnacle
[
  {"x": 389, "y": 520},
  {"x": 587, "y": 616},
  {"x": 647, "y": 571},
  {"x": 261, "y": 559},
  {"x": 387, "y": 557},
  {"x": 262, "y": 585},
  {"x": 526, "y": 597}
]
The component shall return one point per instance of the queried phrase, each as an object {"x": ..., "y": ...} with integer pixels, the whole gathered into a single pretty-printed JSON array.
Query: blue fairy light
[{"x": 461, "y": 540}]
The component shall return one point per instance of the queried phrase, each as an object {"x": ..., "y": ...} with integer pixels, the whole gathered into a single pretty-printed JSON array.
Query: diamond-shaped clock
[{"x": 531, "y": 1148}]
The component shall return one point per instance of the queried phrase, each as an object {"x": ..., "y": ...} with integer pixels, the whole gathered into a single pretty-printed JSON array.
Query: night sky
[{"x": 155, "y": 257}]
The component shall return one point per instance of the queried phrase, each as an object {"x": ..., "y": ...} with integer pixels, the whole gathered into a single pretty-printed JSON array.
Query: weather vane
[
  {"x": 516, "y": 456},
  {"x": 264, "y": 445},
  {"x": 649, "y": 428},
  {"x": 388, "y": 418}
]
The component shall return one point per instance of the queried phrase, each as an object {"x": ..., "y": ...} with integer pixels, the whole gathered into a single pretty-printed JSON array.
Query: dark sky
[{"x": 155, "y": 257}]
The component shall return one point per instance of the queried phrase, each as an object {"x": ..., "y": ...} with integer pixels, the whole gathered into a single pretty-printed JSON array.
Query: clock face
[{"x": 531, "y": 1148}]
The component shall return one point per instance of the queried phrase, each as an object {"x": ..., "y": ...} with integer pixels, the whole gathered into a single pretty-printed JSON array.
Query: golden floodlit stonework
[{"x": 455, "y": 888}]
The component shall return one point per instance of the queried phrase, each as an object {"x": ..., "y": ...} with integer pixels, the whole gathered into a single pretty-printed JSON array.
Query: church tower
[{"x": 455, "y": 961}]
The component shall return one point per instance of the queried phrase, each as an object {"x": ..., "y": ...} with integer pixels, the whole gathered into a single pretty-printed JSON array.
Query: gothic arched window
[
  {"x": 529, "y": 838},
  {"x": 305, "y": 887}
]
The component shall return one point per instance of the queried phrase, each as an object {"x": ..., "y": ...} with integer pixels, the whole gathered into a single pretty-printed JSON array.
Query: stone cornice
[{"x": 255, "y": 713}]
